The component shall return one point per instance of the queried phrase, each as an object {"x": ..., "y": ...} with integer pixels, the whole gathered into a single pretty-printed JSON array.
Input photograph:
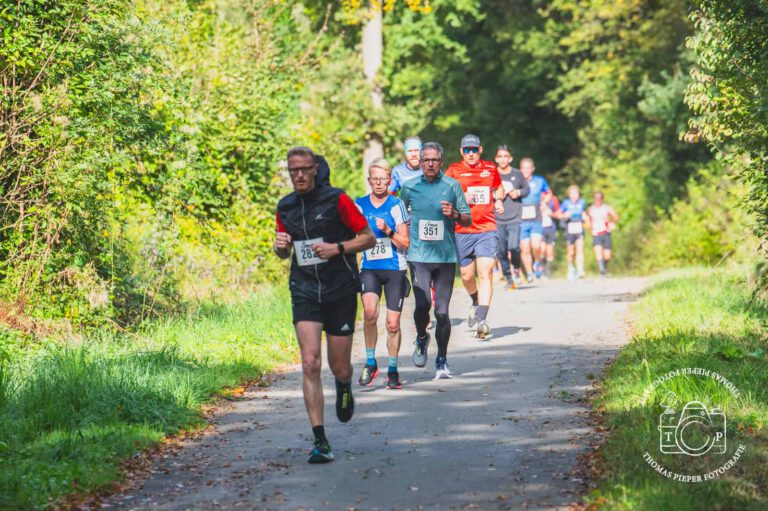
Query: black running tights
[{"x": 440, "y": 276}]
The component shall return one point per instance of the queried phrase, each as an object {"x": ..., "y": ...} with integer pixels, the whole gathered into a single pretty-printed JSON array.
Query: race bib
[
  {"x": 529, "y": 212},
  {"x": 305, "y": 256},
  {"x": 478, "y": 194},
  {"x": 546, "y": 221},
  {"x": 575, "y": 228},
  {"x": 381, "y": 250},
  {"x": 431, "y": 230},
  {"x": 598, "y": 227}
]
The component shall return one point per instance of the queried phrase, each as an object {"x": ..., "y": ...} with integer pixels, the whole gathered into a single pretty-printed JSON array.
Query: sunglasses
[
  {"x": 467, "y": 150},
  {"x": 301, "y": 170}
]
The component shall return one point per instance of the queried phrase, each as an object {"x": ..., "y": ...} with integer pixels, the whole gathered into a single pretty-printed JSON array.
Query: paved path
[{"x": 503, "y": 434}]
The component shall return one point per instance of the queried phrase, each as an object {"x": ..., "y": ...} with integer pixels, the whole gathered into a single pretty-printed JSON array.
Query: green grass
[
  {"x": 70, "y": 413},
  {"x": 696, "y": 318}
]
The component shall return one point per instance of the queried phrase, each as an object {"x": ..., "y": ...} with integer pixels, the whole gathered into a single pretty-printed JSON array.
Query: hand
[
  {"x": 447, "y": 209},
  {"x": 499, "y": 206},
  {"x": 514, "y": 193},
  {"x": 381, "y": 225},
  {"x": 325, "y": 250},
  {"x": 282, "y": 241}
]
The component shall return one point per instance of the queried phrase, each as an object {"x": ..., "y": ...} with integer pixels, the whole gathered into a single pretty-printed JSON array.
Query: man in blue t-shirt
[
  {"x": 531, "y": 231},
  {"x": 408, "y": 169},
  {"x": 384, "y": 267},
  {"x": 574, "y": 211}
]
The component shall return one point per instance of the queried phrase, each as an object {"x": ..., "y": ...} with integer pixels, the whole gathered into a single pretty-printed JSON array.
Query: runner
[
  {"x": 383, "y": 267},
  {"x": 549, "y": 204},
  {"x": 508, "y": 221},
  {"x": 478, "y": 243},
  {"x": 408, "y": 169},
  {"x": 321, "y": 229},
  {"x": 574, "y": 211},
  {"x": 603, "y": 219},
  {"x": 436, "y": 203},
  {"x": 531, "y": 231}
]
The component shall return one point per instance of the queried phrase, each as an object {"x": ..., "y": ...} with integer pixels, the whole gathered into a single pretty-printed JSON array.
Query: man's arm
[
  {"x": 465, "y": 218},
  {"x": 282, "y": 244},
  {"x": 352, "y": 218},
  {"x": 526, "y": 189}
]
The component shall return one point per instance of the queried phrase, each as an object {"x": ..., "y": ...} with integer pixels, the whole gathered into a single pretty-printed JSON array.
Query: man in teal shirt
[{"x": 436, "y": 204}]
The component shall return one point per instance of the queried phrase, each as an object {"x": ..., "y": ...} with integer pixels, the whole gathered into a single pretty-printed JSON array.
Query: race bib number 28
[
  {"x": 529, "y": 212},
  {"x": 305, "y": 256},
  {"x": 431, "y": 230}
]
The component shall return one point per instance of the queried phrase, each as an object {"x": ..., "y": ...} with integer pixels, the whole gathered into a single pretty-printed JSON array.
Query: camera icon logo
[{"x": 694, "y": 431}]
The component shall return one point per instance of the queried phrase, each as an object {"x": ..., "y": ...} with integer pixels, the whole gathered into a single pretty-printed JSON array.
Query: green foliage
[
  {"x": 702, "y": 227},
  {"x": 730, "y": 89},
  {"x": 69, "y": 415},
  {"x": 700, "y": 318}
]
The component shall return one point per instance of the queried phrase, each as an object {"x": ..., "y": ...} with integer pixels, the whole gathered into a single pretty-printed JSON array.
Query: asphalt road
[{"x": 503, "y": 434}]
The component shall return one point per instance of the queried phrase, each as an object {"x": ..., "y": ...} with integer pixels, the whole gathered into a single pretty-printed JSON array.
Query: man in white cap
[{"x": 408, "y": 169}]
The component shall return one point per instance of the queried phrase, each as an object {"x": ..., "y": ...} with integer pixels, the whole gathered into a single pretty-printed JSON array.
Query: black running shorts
[
  {"x": 338, "y": 317},
  {"x": 394, "y": 282}
]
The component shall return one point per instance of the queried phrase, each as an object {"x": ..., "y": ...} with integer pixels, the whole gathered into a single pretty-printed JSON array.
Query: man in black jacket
[{"x": 320, "y": 229}]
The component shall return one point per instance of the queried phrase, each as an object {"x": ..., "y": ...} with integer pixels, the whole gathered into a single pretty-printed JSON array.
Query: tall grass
[
  {"x": 70, "y": 413},
  {"x": 700, "y": 318}
]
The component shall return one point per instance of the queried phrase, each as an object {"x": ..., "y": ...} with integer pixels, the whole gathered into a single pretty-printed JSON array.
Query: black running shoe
[
  {"x": 370, "y": 372},
  {"x": 393, "y": 380},
  {"x": 321, "y": 453},
  {"x": 345, "y": 401}
]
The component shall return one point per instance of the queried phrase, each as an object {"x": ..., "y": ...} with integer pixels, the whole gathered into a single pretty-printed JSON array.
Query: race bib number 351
[
  {"x": 478, "y": 194},
  {"x": 305, "y": 256},
  {"x": 431, "y": 230},
  {"x": 381, "y": 250}
]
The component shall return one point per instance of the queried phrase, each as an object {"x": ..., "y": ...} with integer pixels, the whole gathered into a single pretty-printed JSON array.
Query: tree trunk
[{"x": 372, "y": 57}]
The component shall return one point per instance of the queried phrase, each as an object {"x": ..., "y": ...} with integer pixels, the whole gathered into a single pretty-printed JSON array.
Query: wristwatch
[
  {"x": 340, "y": 245},
  {"x": 391, "y": 233},
  {"x": 458, "y": 215}
]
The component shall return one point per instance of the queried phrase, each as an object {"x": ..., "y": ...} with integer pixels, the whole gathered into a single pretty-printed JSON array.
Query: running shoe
[
  {"x": 529, "y": 279},
  {"x": 582, "y": 274},
  {"x": 518, "y": 278},
  {"x": 345, "y": 401},
  {"x": 321, "y": 453},
  {"x": 571, "y": 273},
  {"x": 442, "y": 371},
  {"x": 393, "y": 380},
  {"x": 472, "y": 317},
  {"x": 370, "y": 372},
  {"x": 510, "y": 285},
  {"x": 537, "y": 269},
  {"x": 420, "y": 351},
  {"x": 483, "y": 329}
]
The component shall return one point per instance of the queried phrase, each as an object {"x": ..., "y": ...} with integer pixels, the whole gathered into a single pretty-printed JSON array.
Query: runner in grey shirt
[{"x": 508, "y": 222}]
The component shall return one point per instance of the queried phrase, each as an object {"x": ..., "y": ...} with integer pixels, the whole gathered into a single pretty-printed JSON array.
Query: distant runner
[
  {"x": 603, "y": 219},
  {"x": 408, "y": 169},
  {"x": 320, "y": 229},
  {"x": 574, "y": 211},
  {"x": 549, "y": 204},
  {"x": 383, "y": 267},
  {"x": 508, "y": 221},
  {"x": 436, "y": 203},
  {"x": 477, "y": 244},
  {"x": 531, "y": 231}
]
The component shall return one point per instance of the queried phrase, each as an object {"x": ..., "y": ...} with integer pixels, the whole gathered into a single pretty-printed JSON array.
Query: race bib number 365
[
  {"x": 305, "y": 256},
  {"x": 431, "y": 230},
  {"x": 381, "y": 250},
  {"x": 478, "y": 194}
]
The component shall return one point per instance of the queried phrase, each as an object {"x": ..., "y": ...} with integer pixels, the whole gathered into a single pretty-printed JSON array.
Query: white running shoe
[{"x": 443, "y": 372}]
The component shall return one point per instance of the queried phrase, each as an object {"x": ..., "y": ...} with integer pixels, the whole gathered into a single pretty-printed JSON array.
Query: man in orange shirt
[{"x": 477, "y": 244}]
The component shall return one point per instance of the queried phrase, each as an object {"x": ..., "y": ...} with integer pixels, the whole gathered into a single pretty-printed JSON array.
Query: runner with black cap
[{"x": 478, "y": 243}]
